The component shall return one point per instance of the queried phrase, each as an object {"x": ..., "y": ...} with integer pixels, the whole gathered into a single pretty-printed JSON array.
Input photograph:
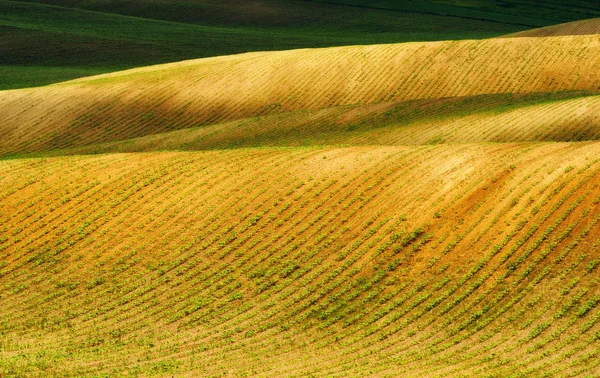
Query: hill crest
[{"x": 584, "y": 27}]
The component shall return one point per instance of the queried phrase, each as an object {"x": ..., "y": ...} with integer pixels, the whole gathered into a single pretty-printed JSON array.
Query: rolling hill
[
  {"x": 463, "y": 120},
  {"x": 420, "y": 209},
  {"x": 211, "y": 91},
  {"x": 47, "y": 43},
  {"x": 359, "y": 261}
]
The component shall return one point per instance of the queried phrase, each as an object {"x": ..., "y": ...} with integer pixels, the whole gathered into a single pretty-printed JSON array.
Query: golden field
[
  {"x": 429, "y": 260},
  {"x": 416, "y": 210},
  {"x": 207, "y": 92}
]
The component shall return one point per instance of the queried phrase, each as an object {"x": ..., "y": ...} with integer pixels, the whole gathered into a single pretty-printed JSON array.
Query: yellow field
[
  {"x": 413, "y": 123},
  {"x": 409, "y": 210},
  {"x": 205, "y": 92},
  {"x": 412, "y": 261}
]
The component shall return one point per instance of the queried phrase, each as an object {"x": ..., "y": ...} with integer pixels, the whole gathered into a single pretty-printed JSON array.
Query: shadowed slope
[
  {"x": 196, "y": 93},
  {"x": 457, "y": 120},
  {"x": 301, "y": 16},
  {"x": 528, "y": 12},
  {"x": 585, "y": 27},
  {"x": 296, "y": 262}
]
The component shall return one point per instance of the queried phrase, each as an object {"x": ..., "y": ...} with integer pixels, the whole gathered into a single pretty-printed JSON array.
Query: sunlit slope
[
  {"x": 585, "y": 27},
  {"x": 413, "y": 261},
  {"x": 197, "y": 93},
  {"x": 503, "y": 118}
]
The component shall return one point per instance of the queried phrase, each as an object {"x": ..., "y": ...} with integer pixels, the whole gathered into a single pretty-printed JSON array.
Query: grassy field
[
  {"x": 260, "y": 13},
  {"x": 58, "y": 40},
  {"x": 528, "y": 12},
  {"x": 421, "y": 209}
]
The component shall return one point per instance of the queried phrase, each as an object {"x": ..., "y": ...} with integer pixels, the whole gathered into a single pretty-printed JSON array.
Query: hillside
[
  {"x": 363, "y": 261},
  {"x": 47, "y": 43},
  {"x": 585, "y": 27},
  {"x": 456, "y": 120},
  {"x": 329, "y": 188},
  {"x": 153, "y": 100}
]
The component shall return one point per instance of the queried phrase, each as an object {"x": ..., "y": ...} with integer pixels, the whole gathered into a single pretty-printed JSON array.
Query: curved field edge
[
  {"x": 557, "y": 117},
  {"x": 151, "y": 100},
  {"x": 303, "y": 261},
  {"x": 583, "y": 27}
]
